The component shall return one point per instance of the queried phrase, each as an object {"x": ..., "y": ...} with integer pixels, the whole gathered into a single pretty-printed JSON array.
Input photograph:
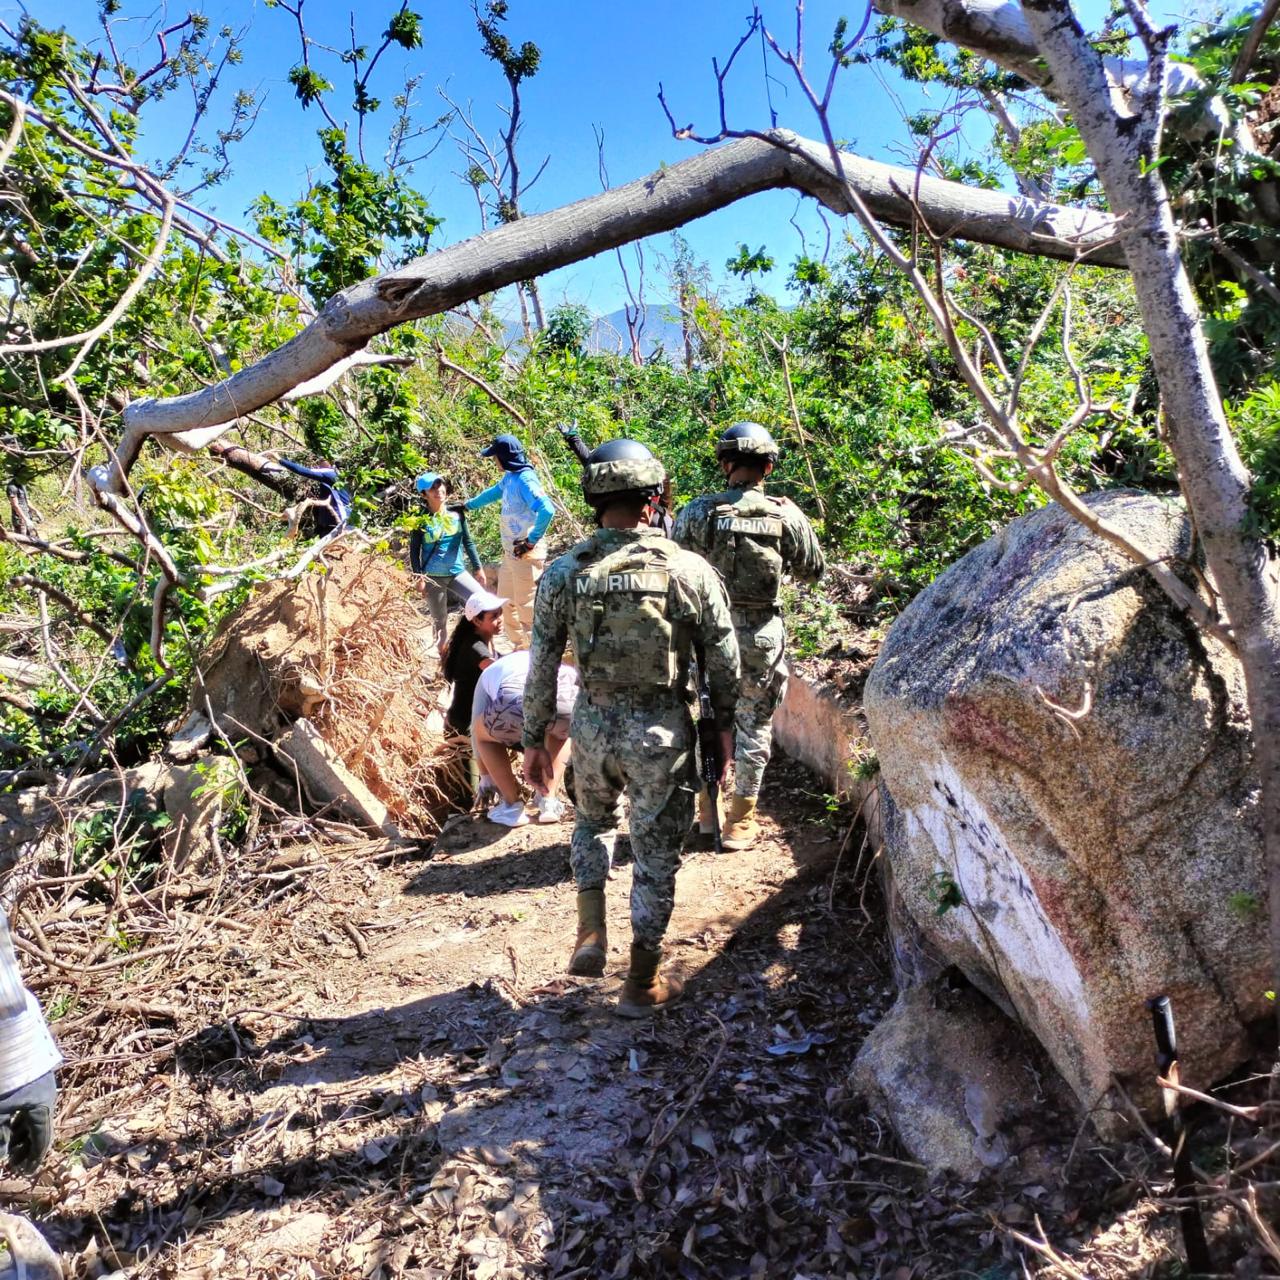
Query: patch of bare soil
[{"x": 356, "y": 1061}]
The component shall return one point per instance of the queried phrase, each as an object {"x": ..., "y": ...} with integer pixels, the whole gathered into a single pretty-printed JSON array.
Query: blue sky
[{"x": 601, "y": 66}]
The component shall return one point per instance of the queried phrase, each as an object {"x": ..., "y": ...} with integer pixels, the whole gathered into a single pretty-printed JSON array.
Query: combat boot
[
  {"x": 740, "y": 829},
  {"x": 645, "y": 988},
  {"x": 592, "y": 947}
]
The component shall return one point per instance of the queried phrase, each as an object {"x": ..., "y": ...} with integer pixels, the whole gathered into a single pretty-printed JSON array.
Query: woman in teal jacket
[{"x": 437, "y": 546}]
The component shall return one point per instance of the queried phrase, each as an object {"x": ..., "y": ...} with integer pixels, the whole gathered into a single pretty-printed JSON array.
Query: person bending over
[
  {"x": 329, "y": 506},
  {"x": 497, "y": 729}
]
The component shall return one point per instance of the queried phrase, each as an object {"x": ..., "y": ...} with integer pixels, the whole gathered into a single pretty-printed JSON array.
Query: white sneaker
[
  {"x": 550, "y": 809},
  {"x": 488, "y": 791},
  {"x": 509, "y": 815}
]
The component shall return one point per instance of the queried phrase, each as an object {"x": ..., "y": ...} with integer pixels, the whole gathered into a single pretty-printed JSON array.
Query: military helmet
[
  {"x": 749, "y": 439},
  {"x": 620, "y": 466}
]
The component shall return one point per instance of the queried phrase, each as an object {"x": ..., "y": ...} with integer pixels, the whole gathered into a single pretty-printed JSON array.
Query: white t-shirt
[{"x": 505, "y": 680}]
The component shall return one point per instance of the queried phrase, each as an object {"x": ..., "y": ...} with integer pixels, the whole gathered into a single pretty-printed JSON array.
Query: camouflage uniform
[
  {"x": 633, "y": 605},
  {"x": 743, "y": 532}
]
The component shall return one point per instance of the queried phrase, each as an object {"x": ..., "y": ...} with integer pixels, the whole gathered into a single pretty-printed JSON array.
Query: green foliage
[
  {"x": 323, "y": 426},
  {"x": 568, "y": 327},
  {"x": 405, "y": 29},
  {"x": 517, "y": 64},
  {"x": 812, "y": 619},
  {"x": 220, "y": 781},
  {"x": 944, "y": 893},
  {"x": 119, "y": 838},
  {"x": 1245, "y": 905},
  {"x": 348, "y": 227},
  {"x": 745, "y": 263},
  {"x": 866, "y": 767},
  {"x": 309, "y": 85},
  {"x": 1256, "y": 421}
]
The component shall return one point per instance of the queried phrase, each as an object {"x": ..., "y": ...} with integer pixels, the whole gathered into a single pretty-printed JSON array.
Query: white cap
[{"x": 479, "y": 602}]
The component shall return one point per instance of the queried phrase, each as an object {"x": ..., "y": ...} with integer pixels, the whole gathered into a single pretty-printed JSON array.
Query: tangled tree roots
[{"x": 347, "y": 647}]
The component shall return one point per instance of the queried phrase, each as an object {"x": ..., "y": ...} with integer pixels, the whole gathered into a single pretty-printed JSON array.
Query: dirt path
[{"x": 393, "y": 1076}]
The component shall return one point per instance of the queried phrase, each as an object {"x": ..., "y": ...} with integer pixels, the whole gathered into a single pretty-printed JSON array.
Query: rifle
[{"x": 709, "y": 747}]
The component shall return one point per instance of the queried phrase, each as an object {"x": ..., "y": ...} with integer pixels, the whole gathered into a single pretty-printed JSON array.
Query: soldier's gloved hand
[
  {"x": 521, "y": 548},
  {"x": 567, "y": 429},
  {"x": 26, "y": 1123}
]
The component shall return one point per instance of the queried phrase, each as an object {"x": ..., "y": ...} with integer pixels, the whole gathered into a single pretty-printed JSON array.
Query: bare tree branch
[
  {"x": 78, "y": 615},
  {"x": 357, "y": 360},
  {"x": 1253, "y": 42},
  {"x": 476, "y": 381}
]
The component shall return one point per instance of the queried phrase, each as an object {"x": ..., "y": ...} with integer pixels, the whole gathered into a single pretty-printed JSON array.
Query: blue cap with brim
[
  {"x": 508, "y": 451},
  {"x": 427, "y": 480}
]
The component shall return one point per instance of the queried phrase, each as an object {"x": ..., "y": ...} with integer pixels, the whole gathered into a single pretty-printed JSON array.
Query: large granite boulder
[{"x": 1074, "y": 820}]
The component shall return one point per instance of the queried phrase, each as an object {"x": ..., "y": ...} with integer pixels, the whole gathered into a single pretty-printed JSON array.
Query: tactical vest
[
  {"x": 622, "y": 635},
  {"x": 746, "y": 547}
]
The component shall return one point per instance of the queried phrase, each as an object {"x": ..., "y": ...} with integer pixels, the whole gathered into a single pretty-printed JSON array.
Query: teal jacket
[{"x": 436, "y": 546}]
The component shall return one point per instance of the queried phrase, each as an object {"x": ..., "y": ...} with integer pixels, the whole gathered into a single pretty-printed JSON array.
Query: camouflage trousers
[
  {"x": 648, "y": 753},
  {"x": 764, "y": 681}
]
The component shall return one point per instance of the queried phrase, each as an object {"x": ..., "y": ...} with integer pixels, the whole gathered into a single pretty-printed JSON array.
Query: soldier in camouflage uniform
[
  {"x": 633, "y": 605},
  {"x": 752, "y": 538}
]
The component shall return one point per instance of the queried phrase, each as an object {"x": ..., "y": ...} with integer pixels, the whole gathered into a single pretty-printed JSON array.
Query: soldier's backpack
[
  {"x": 746, "y": 547},
  {"x": 622, "y": 635}
]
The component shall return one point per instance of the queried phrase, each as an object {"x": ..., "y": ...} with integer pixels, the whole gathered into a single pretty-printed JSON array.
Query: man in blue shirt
[{"x": 526, "y": 513}]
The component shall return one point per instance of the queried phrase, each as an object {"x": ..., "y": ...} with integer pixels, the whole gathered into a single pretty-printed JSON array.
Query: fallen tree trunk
[{"x": 530, "y": 247}]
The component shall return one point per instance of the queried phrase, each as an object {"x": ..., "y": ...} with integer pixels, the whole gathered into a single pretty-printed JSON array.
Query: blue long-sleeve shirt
[
  {"x": 326, "y": 475},
  {"x": 526, "y": 509},
  {"x": 438, "y": 545},
  {"x": 339, "y": 506}
]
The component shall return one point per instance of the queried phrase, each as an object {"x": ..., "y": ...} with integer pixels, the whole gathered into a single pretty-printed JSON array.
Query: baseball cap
[
  {"x": 479, "y": 602},
  {"x": 427, "y": 480},
  {"x": 507, "y": 450}
]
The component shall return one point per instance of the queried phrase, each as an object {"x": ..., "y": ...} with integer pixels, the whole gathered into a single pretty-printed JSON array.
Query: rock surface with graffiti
[{"x": 1073, "y": 819}]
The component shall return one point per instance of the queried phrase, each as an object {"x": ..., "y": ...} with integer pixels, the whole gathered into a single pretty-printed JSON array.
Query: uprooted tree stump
[{"x": 346, "y": 649}]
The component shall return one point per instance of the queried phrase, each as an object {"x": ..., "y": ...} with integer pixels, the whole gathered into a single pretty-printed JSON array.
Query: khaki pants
[{"x": 518, "y": 582}]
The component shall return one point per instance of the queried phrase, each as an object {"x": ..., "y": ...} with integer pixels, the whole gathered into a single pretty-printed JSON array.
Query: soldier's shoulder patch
[{"x": 560, "y": 569}]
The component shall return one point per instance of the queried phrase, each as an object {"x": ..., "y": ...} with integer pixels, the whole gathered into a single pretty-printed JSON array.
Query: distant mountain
[
  {"x": 661, "y": 329},
  {"x": 609, "y": 334}
]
